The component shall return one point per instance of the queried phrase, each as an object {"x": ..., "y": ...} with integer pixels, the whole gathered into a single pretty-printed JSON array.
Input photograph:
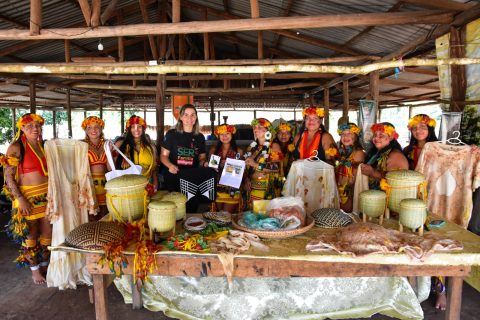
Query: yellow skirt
[
  {"x": 37, "y": 197},
  {"x": 225, "y": 197},
  {"x": 99, "y": 182}
]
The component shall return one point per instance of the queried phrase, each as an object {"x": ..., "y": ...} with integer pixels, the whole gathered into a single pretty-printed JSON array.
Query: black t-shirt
[{"x": 184, "y": 148}]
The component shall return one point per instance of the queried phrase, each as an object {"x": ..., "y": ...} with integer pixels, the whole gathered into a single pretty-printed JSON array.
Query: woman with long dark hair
[
  {"x": 136, "y": 145},
  {"x": 385, "y": 155},
  {"x": 422, "y": 130},
  {"x": 228, "y": 198},
  {"x": 284, "y": 134}
]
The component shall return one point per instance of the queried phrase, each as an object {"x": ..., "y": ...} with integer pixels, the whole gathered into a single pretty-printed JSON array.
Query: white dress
[
  {"x": 71, "y": 197},
  {"x": 314, "y": 182}
]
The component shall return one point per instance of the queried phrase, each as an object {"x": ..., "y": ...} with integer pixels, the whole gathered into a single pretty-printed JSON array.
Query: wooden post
[
  {"x": 375, "y": 91},
  {"x": 206, "y": 40},
  {"x": 212, "y": 116},
  {"x": 255, "y": 12},
  {"x": 67, "y": 51},
  {"x": 160, "y": 108},
  {"x": 100, "y": 102},
  {"x": 122, "y": 115},
  {"x": 101, "y": 305},
  {"x": 458, "y": 81},
  {"x": 33, "y": 95},
  {"x": 218, "y": 120},
  {"x": 69, "y": 114},
  {"x": 346, "y": 100},
  {"x": 120, "y": 40},
  {"x": 176, "y": 11},
  {"x": 54, "y": 123},
  {"x": 35, "y": 17},
  {"x": 14, "y": 120},
  {"x": 326, "y": 106},
  {"x": 454, "y": 297}
]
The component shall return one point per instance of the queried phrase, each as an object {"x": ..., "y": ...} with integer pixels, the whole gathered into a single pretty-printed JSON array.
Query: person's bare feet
[
  {"x": 441, "y": 301},
  {"x": 37, "y": 276}
]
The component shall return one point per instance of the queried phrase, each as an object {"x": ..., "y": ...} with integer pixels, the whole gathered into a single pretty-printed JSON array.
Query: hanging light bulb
[{"x": 100, "y": 45}]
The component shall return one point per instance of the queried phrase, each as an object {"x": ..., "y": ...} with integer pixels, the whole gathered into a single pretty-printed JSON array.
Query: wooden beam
[
  {"x": 374, "y": 86},
  {"x": 326, "y": 106},
  {"x": 430, "y": 72},
  {"x": 206, "y": 40},
  {"x": 151, "y": 38},
  {"x": 35, "y": 17},
  {"x": 18, "y": 46},
  {"x": 160, "y": 108},
  {"x": 163, "y": 18},
  {"x": 176, "y": 11},
  {"x": 87, "y": 13},
  {"x": 255, "y": 13},
  {"x": 298, "y": 22},
  {"x": 399, "y": 83},
  {"x": 96, "y": 12},
  {"x": 109, "y": 11},
  {"x": 457, "y": 73},
  {"x": 121, "y": 41},
  {"x": 122, "y": 115},
  {"x": 13, "y": 22},
  {"x": 441, "y": 4}
]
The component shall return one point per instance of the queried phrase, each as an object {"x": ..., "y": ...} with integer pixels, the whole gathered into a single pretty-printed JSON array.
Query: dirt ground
[{"x": 20, "y": 299}]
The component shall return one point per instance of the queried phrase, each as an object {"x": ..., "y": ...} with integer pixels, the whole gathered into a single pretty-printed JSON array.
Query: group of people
[{"x": 268, "y": 160}]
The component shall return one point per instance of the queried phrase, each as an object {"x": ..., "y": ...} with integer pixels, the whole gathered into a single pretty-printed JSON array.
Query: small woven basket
[
  {"x": 413, "y": 213},
  {"x": 372, "y": 203},
  {"x": 161, "y": 215},
  {"x": 403, "y": 184},
  {"x": 127, "y": 197},
  {"x": 180, "y": 201}
]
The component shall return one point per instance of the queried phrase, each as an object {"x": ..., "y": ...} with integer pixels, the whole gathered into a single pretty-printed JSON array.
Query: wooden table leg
[
  {"x": 101, "y": 311},
  {"x": 137, "y": 294},
  {"x": 454, "y": 298}
]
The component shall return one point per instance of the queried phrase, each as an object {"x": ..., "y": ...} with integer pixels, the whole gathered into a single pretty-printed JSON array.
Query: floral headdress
[
  {"x": 421, "y": 118},
  {"x": 225, "y": 128},
  {"x": 350, "y": 127},
  {"x": 385, "y": 128},
  {"x": 92, "y": 120},
  {"x": 26, "y": 119},
  {"x": 135, "y": 120},
  {"x": 316, "y": 111},
  {"x": 284, "y": 126},
  {"x": 263, "y": 122}
]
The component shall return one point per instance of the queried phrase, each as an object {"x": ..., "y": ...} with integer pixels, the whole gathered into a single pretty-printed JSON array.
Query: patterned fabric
[
  {"x": 99, "y": 182},
  {"x": 37, "y": 197},
  {"x": 280, "y": 298}
]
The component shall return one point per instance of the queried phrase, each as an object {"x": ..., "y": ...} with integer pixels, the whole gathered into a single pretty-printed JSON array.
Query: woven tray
[{"x": 265, "y": 234}]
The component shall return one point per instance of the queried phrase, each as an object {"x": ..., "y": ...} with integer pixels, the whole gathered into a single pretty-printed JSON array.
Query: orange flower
[
  {"x": 385, "y": 128},
  {"x": 317, "y": 111},
  {"x": 92, "y": 120},
  {"x": 225, "y": 128},
  {"x": 421, "y": 119},
  {"x": 135, "y": 120}
]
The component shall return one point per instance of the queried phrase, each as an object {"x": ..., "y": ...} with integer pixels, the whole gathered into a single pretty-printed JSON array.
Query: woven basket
[
  {"x": 94, "y": 235},
  {"x": 372, "y": 203},
  {"x": 275, "y": 234},
  {"x": 413, "y": 213},
  {"x": 161, "y": 215},
  {"x": 403, "y": 184},
  {"x": 126, "y": 197},
  {"x": 331, "y": 218},
  {"x": 180, "y": 201}
]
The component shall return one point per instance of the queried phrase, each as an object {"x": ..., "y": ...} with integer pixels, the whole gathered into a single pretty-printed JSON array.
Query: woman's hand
[
  {"x": 24, "y": 206},
  {"x": 173, "y": 169},
  {"x": 367, "y": 170},
  {"x": 250, "y": 162}
]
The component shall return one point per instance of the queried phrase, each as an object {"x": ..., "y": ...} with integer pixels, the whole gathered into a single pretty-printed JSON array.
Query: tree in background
[{"x": 6, "y": 132}]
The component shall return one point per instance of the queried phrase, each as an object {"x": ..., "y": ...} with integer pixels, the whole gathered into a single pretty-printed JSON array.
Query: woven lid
[
  {"x": 159, "y": 195},
  {"x": 94, "y": 235},
  {"x": 128, "y": 180},
  {"x": 405, "y": 175},
  {"x": 373, "y": 194},
  {"x": 175, "y": 197},
  {"x": 162, "y": 205},
  {"x": 412, "y": 203}
]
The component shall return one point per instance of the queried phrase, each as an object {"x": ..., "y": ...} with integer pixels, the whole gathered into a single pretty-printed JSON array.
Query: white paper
[
  {"x": 214, "y": 161},
  {"x": 232, "y": 173}
]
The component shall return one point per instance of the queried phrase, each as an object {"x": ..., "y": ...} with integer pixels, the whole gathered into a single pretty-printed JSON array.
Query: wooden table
[{"x": 455, "y": 265}]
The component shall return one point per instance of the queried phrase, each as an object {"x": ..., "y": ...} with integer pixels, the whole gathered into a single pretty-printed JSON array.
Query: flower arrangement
[
  {"x": 385, "y": 128},
  {"x": 421, "y": 119},
  {"x": 225, "y": 128},
  {"x": 285, "y": 126},
  {"x": 263, "y": 122},
  {"x": 91, "y": 121},
  {"x": 316, "y": 111},
  {"x": 353, "y": 128},
  {"x": 136, "y": 120},
  {"x": 29, "y": 117},
  {"x": 291, "y": 147},
  {"x": 332, "y": 152}
]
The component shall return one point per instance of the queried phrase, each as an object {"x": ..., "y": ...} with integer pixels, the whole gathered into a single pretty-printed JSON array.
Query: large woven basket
[
  {"x": 266, "y": 234},
  {"x": 161, "y": 215},
  {"x": 180, "y": 201},
  {"x": 126, "y": 197},
  {"x": 372, "y": 203},
  {"x": 403, "y": 184},
  {"x": 94, "y": 235},
  {"x": 413, "y": 213}
]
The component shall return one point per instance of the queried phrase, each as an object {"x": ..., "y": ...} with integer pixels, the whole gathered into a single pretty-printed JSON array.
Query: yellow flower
[
  {"x": 291, "y": 147},
  {"x": 421, "y": 118},
  {"x": 318, "y": 111},
  {"x": 389, "y": 130},
  {"x": 384, "y": 185},
  {"x": 331, "y": 152}
]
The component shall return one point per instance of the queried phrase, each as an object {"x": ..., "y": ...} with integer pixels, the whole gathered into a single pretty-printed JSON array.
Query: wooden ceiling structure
[{"x": 249, "y": 52}]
